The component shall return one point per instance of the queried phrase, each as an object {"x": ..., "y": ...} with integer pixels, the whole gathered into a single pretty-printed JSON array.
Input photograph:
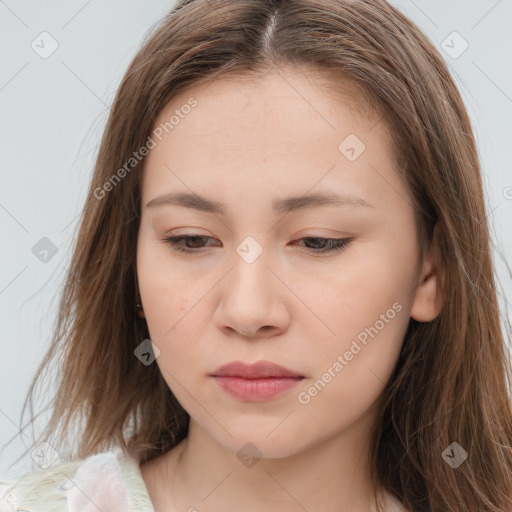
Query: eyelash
[{"x": 336, "y": 244}]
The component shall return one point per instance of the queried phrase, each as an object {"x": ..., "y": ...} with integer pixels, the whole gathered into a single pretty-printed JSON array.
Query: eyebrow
[{"x": 280, "y": 205}]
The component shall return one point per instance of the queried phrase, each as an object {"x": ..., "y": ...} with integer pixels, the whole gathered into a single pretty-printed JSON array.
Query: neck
[{"x": 201, "y": 474}]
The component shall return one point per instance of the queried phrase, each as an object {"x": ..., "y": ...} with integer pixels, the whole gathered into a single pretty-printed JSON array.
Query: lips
[
  {"x": 256, "y": 382},
  {"x": 257, "y": 370}
]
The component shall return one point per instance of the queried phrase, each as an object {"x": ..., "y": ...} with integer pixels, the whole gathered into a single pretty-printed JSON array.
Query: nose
[{"x": 254, "y": 300}]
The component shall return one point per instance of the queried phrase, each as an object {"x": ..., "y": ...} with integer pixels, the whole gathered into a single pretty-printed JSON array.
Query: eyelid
[{"x": 336, "y": 244}]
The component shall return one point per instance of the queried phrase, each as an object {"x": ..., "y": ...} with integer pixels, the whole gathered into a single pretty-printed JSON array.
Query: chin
[{"x": 262, "y": 441}]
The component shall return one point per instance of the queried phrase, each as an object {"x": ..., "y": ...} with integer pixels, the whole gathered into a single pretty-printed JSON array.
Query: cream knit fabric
[{"x": 106, "y": 482}]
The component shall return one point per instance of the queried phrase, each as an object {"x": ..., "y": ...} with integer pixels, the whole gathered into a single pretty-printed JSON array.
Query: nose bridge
[
  {"x": 250, "y": 275},
  {"x": 254, "y": 301},
  {"x": 249, "y": 295}
]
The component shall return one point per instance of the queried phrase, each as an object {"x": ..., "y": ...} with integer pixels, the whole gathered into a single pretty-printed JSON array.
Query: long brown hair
[{"x": 452, "y": 381}]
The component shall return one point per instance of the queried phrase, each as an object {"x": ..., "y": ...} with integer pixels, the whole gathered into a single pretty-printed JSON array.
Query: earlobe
[
  {"x": 140, "y": 310},
  {"x": 428, "y": 296},
  {"x": 428, "y": 300}
]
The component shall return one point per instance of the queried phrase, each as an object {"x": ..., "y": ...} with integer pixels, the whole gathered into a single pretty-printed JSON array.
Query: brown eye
[
  {"x": 322, "y": 245},
  {"x": 193, "y": 243}
]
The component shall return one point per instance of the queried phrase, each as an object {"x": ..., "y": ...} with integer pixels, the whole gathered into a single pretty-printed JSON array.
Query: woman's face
[{"x": 255, "y": 284}]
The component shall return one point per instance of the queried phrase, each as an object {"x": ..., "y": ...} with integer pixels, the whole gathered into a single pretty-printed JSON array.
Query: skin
[{"x": 244, "y": 145}]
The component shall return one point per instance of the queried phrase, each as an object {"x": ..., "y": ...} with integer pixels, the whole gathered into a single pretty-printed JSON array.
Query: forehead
[
  {"x": 277, "y": 97},
  {"x": 281, "y": 129}
]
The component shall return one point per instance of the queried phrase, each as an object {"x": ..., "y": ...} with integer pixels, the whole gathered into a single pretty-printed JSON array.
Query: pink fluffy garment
[{"x": 98, "y": 485}]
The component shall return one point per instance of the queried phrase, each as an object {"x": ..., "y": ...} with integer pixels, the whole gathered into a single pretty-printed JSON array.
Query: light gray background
[{"x": 54, "y": 110}]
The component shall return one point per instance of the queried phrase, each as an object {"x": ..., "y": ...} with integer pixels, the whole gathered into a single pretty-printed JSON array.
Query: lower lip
[{"x": 256, "y": 390}]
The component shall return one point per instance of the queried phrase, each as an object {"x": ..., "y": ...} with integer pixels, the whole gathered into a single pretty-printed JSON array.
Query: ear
[
  {"x": 428, "y": 296},
  {"x": 139, "y": 309}
]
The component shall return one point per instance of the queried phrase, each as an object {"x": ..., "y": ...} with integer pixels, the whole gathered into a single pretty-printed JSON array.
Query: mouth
[{"x": 255, "y": 382}]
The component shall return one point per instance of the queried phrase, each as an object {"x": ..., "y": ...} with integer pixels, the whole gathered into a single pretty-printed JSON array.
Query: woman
[{"x": 282, "y": 294}]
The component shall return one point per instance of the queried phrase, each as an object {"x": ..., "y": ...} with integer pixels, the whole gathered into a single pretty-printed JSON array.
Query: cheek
[
  {"x": 170, "y": 308},
  {"x": 169, "y": 311},
  {"x": 176, "y": 310},
  {"x": 168, "y": 293},
  {"x": 365, "y": 310},
  {"x": 365, "y": 286},
  {"x": 351, "y": 373}
]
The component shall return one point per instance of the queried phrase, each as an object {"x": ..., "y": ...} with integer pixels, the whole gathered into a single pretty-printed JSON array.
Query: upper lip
[{"x": 257, "y": 370}]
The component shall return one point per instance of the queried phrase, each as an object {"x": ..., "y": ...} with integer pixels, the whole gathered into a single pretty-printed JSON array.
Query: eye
[
  {"x": 195, "y": 243},
  {"x": 327, "y": 244},
  {"x": 194, "y": 240}
]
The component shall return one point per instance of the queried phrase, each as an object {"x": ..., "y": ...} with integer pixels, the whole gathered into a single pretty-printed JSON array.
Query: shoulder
[
  {"x": 32, "y": 489},
  {"x": 109, "y": 480}
]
